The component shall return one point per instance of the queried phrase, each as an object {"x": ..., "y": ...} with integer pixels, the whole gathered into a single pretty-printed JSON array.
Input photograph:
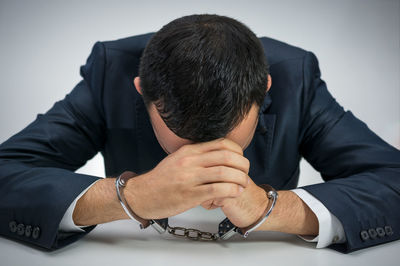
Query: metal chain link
[{"x": 191, "y": 233}]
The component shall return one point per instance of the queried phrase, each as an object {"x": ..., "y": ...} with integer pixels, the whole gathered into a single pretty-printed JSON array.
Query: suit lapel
[{"x": 259, "y": 150}]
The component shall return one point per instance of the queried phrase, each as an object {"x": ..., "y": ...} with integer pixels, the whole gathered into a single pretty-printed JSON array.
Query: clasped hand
[{"x": 211, "y": 174}]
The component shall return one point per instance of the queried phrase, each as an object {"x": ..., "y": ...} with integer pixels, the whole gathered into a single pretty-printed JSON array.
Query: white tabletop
[{"x": 123, "y": 243}]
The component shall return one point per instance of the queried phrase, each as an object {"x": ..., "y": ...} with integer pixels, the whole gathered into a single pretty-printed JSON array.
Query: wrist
[
  {"x": 274, "y": 221},
  {"x": 258, "y": 211},
  {"x": 291, "y": 215},
  {"x": 98, "y": 205},
  {"x": 134, "y": 192},
  {"x": 270, "y": 198}
]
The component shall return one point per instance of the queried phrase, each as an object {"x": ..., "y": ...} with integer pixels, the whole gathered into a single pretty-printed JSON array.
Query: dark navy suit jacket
[{"x": 299, "y": 118}]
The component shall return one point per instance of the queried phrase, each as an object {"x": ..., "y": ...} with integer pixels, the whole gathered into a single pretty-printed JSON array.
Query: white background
[{"x": 43, "y": 43}]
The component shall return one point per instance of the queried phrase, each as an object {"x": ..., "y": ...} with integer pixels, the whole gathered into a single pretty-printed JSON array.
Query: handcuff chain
[
  {"x": 191, "y": 233},
  {"x": 226, "y": 228}
]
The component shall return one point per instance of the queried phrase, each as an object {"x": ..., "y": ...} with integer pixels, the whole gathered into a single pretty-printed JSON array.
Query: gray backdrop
[{"x": 43, "y": 43}]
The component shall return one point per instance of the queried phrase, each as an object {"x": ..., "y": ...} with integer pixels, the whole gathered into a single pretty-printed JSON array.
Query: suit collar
[
  {"x": 266, "y": 103},
  {"x": 263, "y": 122}
]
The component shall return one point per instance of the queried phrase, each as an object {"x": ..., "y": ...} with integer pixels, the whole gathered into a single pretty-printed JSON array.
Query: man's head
[{"x": 203, "y": 77}]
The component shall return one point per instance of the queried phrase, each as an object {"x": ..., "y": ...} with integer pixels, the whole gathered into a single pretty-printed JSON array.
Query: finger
[
  {"x": 225, "y": 174},
  {"x": 219, "y": 202},
  {"x": 223, "y": 158},
  {"x": 219, "y": 190},
  {"x": 208, "y": 205},
  {"x": 218, "y": 144}
]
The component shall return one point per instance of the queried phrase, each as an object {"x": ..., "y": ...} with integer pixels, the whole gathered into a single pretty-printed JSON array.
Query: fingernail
[
  {"x": 241, "y": 188},
  {"x": 248, "y": 180}
]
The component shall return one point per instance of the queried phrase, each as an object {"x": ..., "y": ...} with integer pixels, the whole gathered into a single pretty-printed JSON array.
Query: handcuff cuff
[{"x": 226, "y": 228}]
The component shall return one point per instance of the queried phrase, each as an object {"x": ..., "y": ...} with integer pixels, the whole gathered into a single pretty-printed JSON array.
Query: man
[{"x": 204, "y": 118}]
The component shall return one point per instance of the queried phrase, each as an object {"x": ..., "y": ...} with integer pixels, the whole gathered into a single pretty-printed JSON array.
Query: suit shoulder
[
  {"x": 278, "y": 51},
  {"x": 131, "y": 45}
]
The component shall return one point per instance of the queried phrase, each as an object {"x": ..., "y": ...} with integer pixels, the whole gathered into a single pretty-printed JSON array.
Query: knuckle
[
  {"x": 227, "y": 157},
  {"x": 220, "y": 171},
  {"x": 183, "y": 149},
  {"x": 181, "y": 179},
  {"x": 244, "y": 179},
  {"x": 185, "y": 161},
  {"x": 211, "y": 189},
  {"x": 235, "y": 190},
  {"x": 247, "y": 161},
  {"x": 180, "y": 162},
  {"x": 223, "y": 143},
  {"x": 187, "y": 177}
]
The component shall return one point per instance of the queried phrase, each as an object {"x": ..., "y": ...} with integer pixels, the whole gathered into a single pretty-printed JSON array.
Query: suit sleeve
[
  {"x": 362, "y": 172},
  {"x": 37, "y": 179}
]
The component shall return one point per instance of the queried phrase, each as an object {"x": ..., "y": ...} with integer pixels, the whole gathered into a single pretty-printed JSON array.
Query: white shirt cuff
[
  {"x": 67, "y": 223},
  {"x": 330, "y": 228}
]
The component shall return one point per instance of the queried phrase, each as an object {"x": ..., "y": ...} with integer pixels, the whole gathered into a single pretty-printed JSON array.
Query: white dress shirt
[{"x": 330, "y": 228}]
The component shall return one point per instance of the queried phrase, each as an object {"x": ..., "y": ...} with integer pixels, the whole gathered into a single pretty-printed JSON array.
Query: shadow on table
[{"x": 149, "y": 237}]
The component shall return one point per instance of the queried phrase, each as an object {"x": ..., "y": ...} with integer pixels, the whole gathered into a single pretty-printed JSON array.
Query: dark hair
[{"x": 203, "y": 73}]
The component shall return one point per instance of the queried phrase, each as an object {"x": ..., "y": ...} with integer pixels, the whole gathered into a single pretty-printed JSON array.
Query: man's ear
[
  {"x": 269, "y": 84},
  {"x": 136, "y": 82}
]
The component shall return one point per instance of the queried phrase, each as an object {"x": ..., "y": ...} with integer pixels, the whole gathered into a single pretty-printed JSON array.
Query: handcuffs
[{"x": 226, "y": 228}]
